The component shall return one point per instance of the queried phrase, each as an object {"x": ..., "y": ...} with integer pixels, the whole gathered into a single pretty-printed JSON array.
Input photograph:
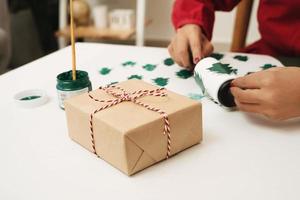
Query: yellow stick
[{"x": 72, "y": 41}]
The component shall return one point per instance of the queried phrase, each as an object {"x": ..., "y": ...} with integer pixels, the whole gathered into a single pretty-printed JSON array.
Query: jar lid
[
  {"x": 225, "y": 96},
  {"x": 31, "y": 98}
]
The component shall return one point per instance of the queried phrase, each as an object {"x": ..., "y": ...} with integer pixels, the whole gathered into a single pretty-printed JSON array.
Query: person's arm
[
  {"x": 199, "y": 12},
  {"x": 193, "y": 21},
  {"x": 274, "y": 93}
]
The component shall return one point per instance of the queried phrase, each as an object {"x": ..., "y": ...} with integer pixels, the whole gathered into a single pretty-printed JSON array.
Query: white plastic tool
[{"x": 31, "y": 98}]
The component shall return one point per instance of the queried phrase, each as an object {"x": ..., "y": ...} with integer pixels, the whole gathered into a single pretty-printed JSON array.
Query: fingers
[
  {"x": 207, "y": 47},
  {"x": 173, "y": 55},
  {"x": 247, "y": 100},
  {"x": 195, "y": 46},
  {"x": 250, "y": 101},
  {"x": 185, "y": 47},
  {"x": 181, "y": 49},
  {"x": 200, "y": 46},
  {"x": 189, "y": 46},
  {"x": 252, "y": 108},
  {"x": 251, "y": 81},
  {"x": 260, "y": 109},
  {"x": 250, "y": 96}
]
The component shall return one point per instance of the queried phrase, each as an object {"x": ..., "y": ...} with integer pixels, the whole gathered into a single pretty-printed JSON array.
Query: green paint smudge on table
[
  {"x": 160, "y": 81},
  {"x": 104, "y": 71},
  {"x": 184, "y": 74},
  {"x": 169, "y": 62},
  {"x": 222, "y": 69},
  {"x": 195, "y": 96},
  {"x": 135, "y": 77},
  {"x": 267, "y": 66},
  {"x": 129, "y": 63},
  {"x": 217, "y": 56},
  {"x": 149, "y": 67},
  {"x": 30, "y": 98},
  {"x": 241, "y": 58}
]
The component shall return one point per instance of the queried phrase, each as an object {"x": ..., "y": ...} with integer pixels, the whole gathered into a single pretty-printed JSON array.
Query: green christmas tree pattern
[
  {"x": 199, "y": 81},
  {"x": 241, "y": 58},
  {"x": 135, "y": 77},
  {"x": 169, "y": 62},
  {"x": 184, "y": 74},
  {"x": 149, "y": 67},
  {"x": 105, "y": 71},
  {"x": 160, "y": 81},
  {"x": 129, "y": 63},
  {"x": 217, "y": 56},
  {"x": 267, "y": 66},
  {"x": 195, "y": 96},
  {"x": 222, "y": 69}
]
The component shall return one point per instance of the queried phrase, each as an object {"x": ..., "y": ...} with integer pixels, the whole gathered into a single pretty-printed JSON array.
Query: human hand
[
  {"x": 189, "y": 46},
  {"x": 274, "y": 93}
]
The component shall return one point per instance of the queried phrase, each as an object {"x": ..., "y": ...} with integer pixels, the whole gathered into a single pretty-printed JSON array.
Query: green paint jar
[{"x": 67, "y": 87}]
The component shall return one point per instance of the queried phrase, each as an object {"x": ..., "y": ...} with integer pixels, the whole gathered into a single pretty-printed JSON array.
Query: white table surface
[{"x": 241, "y": 157}]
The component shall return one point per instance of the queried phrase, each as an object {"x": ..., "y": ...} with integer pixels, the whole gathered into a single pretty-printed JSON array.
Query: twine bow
[{"x": 133, "y": 97}]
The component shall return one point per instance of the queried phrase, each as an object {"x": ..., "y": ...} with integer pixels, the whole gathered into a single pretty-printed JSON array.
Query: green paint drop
[
  {"x": 135, "y": 77},
  {"x": 129, "y": 63},
  {"x": 105, "y": 71},
  {"x": 267, "y": 66},
  {"x": 169, "y": 62},
  {"x": 222, "y": 69},
  {"x": 149, "y": 67},
  {"x": 30, "y": 98},
  {"x": 195, "y": 96},
  {"x": 199, "y": 81},
  {"x": 241, "y": 58},
  {"x": 184, "y": 74},
  {"x": 217, "y": 56},
  {"x": 161, "y": 81}
]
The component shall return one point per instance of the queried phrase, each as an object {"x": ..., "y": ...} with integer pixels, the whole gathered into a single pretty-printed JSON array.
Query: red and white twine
[{"x": 123, "y": 96}]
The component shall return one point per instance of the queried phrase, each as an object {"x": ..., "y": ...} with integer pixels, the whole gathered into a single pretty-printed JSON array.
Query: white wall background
[{"x": 162, "y": 29}]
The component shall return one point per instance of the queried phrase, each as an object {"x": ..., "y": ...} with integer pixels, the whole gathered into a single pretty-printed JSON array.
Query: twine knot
[{"x": 122, "y": 95}]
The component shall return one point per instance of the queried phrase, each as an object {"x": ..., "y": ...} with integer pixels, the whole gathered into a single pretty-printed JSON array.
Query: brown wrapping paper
[{"x": 127, "y": 135}]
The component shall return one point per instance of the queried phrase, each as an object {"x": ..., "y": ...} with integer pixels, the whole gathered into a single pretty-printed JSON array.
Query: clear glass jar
[{"x": 67, "y": 87}]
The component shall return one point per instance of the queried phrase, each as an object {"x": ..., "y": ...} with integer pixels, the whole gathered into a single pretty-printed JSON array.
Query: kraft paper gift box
[{"x": 129, "y": 136}]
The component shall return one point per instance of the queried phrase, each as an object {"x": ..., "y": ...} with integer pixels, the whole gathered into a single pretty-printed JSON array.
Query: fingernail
[
  {"x": 196, "y": 60},
  {"x": 231, "y": 84}
]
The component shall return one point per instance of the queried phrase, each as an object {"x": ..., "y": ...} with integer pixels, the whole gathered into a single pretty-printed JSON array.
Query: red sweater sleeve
[{"x": 200, "y": 12}]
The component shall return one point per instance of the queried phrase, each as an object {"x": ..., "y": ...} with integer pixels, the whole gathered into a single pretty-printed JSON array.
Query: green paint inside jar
[
  {"x": 65, "y": 81},
  {"x": 67, "y": 87}
]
